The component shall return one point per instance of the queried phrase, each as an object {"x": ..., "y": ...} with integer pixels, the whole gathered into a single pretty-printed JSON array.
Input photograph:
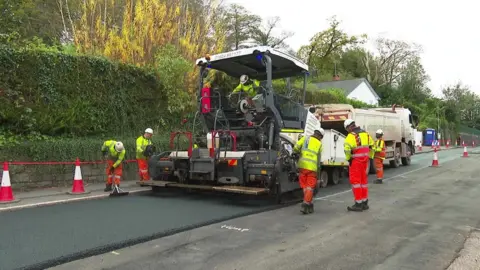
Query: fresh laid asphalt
[{"x": 40, "y": 237}]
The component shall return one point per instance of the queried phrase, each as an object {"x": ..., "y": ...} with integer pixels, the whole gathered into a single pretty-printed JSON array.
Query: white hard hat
[
  {"x": 243, "y": 79},
  {"x": 321, "y": 130},
  {"x": 347, "y": 123},
  {"x": 379, "y": 131},
  {"x": 149, "y": 130},
  {"x": 119, "y": 147}
]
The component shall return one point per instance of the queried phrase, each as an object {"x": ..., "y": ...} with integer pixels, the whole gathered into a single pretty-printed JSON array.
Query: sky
[{"x": 446, "y": 30}]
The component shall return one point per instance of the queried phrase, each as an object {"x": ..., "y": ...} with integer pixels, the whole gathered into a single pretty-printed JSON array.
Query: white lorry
[
  {"x": 333, "y": 163},
  {"x": 397, "y": 124}
]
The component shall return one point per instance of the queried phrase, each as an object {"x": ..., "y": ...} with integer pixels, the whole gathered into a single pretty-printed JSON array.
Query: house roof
[{"x": 347, "y": 85}]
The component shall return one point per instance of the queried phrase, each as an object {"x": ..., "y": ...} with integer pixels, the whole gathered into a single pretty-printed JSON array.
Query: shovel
[{"x": 117, "y": 191}]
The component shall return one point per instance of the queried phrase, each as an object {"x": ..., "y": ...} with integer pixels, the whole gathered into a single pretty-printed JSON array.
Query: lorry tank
[
  {"x": 398, "y": 125},
  {"x": 244, "y": 144}
]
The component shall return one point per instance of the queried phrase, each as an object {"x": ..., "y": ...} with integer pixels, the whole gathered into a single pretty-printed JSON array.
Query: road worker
[
  {"x": 310, "y": 149},
  {"x": 247, "y": 85},
  {"x": 114, "y": 152},
  {"x": 144, "y": 149},
  {"x": 358, "y": 148},
  {"x": 379, "y": 155}
]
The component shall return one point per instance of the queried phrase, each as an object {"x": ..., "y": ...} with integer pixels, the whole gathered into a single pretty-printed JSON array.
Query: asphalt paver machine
[{"x": 244, "y": 147}]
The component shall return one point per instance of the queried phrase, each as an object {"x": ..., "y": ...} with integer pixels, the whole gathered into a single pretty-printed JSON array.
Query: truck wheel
[
  {"x": 395, "y": 163},
  {"x": 334, "y": 176},
  {"x": 371, "y": 167},
  {"x": 322, "y": 182},
  {"x": 406, "y": 161}
]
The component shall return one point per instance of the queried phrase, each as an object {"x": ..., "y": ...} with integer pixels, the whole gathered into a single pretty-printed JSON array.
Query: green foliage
[
  {"x": 172, "y": 69},
  {"x": 36, "y": 147},
  {"x": 54, "y": 93}
]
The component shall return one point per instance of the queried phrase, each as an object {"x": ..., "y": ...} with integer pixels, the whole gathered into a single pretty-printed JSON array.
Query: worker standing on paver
[
  {"x": 246, "y": 85},
  {"x": 358, "y": 151},
  {"x": 114, "y": 152},
  {"x": 310, "y": 149},
  {"x": 379, "y": 155},
  {"x": 144, "y": 150}
]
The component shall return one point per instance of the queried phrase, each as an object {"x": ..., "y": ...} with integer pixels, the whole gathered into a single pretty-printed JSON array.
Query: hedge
[{"x": 55, "y": 94}]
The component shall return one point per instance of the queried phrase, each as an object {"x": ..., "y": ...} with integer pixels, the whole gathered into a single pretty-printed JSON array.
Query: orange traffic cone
[
  {"x": 435, "y": 159},
  {"x": 78, "y": 187},
  {"x": 6, "y": 193},
  {"x": 465, "y": 153}
]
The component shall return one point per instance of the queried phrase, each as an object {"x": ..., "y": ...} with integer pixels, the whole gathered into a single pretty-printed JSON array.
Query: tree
[
  {"x": 264, "y": 35},
  {"x": 241, "y": 23},
  {"x": 327, "y": 46},
  {"x": 394, "y": 56}
]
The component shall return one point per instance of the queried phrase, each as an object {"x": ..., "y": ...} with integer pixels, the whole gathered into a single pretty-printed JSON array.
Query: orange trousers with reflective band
[
  {"x": 117, "y": 173},
  {"x": 379, "y": 167},
  {"x": 308, "y": 181},
  {"x": 358, "y": 178},
  {"x": 143, "y": 169}
]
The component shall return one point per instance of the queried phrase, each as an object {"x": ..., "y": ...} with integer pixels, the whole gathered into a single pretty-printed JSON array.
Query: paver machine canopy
[{"x": 256, "y": 121}]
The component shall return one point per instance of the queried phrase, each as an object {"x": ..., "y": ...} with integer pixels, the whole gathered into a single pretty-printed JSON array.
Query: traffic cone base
[
  {"x": 435, "y": 163},
  {"x": 465, "y": 153},
  {"x": 6, "y": 192},
  {"x": 78, "y": 188}
]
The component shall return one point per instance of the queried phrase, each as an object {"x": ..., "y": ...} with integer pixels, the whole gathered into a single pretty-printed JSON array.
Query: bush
[
  {"x": 55, "y": 93},
  {"x": 40, "y": 148}
]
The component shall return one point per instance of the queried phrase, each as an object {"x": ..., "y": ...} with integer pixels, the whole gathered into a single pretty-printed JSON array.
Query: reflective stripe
[
  {"x": 117, "y": 176},
  {"x": 309, "y": 188},
  {"x": 361, "y": 155},
  {"x": 143, "y": 171},
  {"x": 309, "y": 160},
  {"x": 360, "y": 201},
  {"x": 356, "y": 186},
  {"x": 364, "y": 186}
]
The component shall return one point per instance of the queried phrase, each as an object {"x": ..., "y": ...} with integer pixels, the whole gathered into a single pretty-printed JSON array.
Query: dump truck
[
  {"x": 242, "y": 145},
  {"x": 397, "y": 123}
]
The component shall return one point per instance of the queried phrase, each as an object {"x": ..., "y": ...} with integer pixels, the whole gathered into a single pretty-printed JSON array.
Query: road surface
[
  {"x": 40, "y": 237},
  {"x": 417, "y": 220}
]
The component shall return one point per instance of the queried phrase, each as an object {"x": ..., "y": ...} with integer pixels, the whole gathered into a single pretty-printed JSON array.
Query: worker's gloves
[
  {"x": 350, "y": 162},
  {"x": 112, "y": 169},
  {"x": 104, "y": 154},
  {"x": 295, "y": 156}
]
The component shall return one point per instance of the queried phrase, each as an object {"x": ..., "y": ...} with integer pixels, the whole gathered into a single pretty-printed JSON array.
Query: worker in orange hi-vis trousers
[
  {"x": 379, "y": 155},
  {"x": 310, "y": 149},
  {"x": 144, "y": 149},
  {"x": 115, "y": 153},
  {"x": 358, "y": 151}
]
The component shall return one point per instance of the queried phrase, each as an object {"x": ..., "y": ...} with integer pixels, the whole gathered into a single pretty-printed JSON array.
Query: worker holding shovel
[{"x": 114, "y": 152}]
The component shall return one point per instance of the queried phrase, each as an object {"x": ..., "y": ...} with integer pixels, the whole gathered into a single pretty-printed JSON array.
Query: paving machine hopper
[{"x": 242, "y": 148}]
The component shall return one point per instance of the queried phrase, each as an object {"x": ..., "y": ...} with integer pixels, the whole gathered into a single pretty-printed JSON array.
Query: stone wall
[{"x": 28, "y": 177}]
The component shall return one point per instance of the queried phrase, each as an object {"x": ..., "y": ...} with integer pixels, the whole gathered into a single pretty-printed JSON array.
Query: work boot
[
  {"x": 365, "y": 205},
  {"x": 379, "y": 181},
  {"x": 310, "y": 208},
  {"x": 357, "y": 207},
  {"x": 305, "y": 209},
  {"x": 108, "y": 187}
]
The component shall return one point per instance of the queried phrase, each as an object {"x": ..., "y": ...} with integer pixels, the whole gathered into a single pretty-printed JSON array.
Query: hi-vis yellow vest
[
  {"x": 380, "y": 149},
  {"x": 358, "y": 145},
  {"x": 114, "y": 155},
  {"x": 311, "y": 148}
]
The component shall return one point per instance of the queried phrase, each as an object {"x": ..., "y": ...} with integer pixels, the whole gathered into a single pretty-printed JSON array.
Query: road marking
[
  {"x": 115, "y": 253},
  {"x": 322, "y": 199},
  {"x": 31, "y": 205},
  {"x": 384, "y": 180},
  {"x": 228, "y": 227}
]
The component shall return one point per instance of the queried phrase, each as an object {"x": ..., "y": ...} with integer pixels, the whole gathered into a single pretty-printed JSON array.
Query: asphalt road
[
  {"x": 38, "y": 237},
  {"x": 417, "y": 220}
]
